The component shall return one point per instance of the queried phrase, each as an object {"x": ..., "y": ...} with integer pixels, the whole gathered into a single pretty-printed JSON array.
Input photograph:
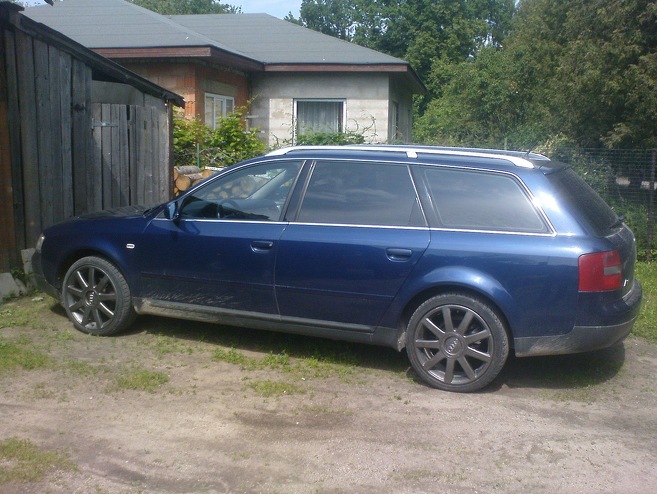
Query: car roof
[{"x": 429, "y": 154}]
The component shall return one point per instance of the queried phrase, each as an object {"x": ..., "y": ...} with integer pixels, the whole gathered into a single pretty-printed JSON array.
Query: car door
[
  {"x": 219, "y": 250},
  {"x": 356, "y": 236}
]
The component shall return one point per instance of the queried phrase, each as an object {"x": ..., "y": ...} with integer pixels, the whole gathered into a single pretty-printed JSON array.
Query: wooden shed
[{"x": 78, "y": 133}]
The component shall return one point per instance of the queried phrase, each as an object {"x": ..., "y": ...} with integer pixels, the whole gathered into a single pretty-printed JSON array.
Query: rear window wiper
[{"x": 619, "y": 221}]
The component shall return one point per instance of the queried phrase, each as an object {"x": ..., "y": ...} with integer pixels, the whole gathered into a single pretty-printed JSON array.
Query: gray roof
[
  {"x": 103, "y": 68},
  {"x": 272, "y": 41},
  {"x": 259, "y": 37}
]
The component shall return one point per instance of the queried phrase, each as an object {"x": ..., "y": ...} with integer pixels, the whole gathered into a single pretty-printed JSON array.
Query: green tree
[
  {"x": 586, "y": 70},
  {"x": 423, "y": 32},
  {"x": 183, "y": 7},
  {"x": 332, "y": 17},
  {"x": 606, "y": 79}
]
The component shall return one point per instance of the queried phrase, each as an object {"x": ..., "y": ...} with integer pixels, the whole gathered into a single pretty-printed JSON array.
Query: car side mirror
[{"x": 171, "y": 211}]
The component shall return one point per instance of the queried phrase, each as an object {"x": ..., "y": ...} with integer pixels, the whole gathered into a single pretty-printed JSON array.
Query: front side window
[
  {"x": 361, "y": 194},
  {"x": 216, "y": 107},
  {"x": 477, "y": 200},
  {"x": 253, "y": 193},
  {"x": 319, "y": 116}
]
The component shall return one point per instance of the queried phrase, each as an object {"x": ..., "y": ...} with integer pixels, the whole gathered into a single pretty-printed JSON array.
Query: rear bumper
[
  {"x": 587, "y": 338},
  {"x": 580, "y": 339}
]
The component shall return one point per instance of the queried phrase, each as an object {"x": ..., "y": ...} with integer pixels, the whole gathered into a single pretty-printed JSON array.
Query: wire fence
[
  {"x": 204, "y": 157},
  {"x": 627, "y": 180}
]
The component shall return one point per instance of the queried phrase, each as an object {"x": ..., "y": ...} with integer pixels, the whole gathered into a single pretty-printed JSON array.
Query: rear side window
[
  {"x": 587, "y": 206},
  {"x": 479, "y": 200},
  {"x": 356, "y": 193}
]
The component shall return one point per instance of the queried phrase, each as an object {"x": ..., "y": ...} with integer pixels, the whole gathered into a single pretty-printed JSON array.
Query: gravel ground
[{"x": 575, "y": 424}]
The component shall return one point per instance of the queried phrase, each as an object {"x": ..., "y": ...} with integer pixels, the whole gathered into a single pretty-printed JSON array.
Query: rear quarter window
[
  {"x": 583, "y": 202},
  {"x": 481, "y": 200}
]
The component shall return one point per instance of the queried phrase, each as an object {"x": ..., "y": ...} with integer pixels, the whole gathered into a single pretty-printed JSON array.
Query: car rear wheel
[
  {"x": 456, "y": 342},
  {"x": 96, "y": 297}
]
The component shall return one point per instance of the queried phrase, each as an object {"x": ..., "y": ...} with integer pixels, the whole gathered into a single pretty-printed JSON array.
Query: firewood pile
[{"x": 186, "y": 176}]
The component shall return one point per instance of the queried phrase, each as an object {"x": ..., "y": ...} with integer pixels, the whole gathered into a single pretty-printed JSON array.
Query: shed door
[{"x": 131, "y": 156}]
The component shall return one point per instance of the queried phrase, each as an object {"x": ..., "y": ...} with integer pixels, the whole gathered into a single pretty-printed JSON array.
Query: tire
[
  {"x": 456, "y": 342},
  {"x": 96, "y": 297}
]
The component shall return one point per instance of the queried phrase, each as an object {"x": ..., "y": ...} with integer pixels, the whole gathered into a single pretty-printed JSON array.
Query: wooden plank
[
  {"x": 154, "y": 154},
  {"x": 147, "y": 157},
  {"x": 68, "y": 203},
  {"x": 7, "y": 237},
  {"x": 164, "y": 164},
  {"x": 106, "y": 153},
  {"x": 94, "y": 166},
  {"x": 133, "y": 168},
  {"x": 140, "y": 155},
  {"x": 169, "y": 150},
  {"x": 45, "y": 143},
  {"x": 82, "y": 193},
  {"x": 124, "y": 156},
  {"x": 97, "y": 157},
  {"x": 115, "y": 155},
  {"x": 15, "y": 142},
  {"x": 29, "y": 135},
  {"x": 53, "y": 138}
]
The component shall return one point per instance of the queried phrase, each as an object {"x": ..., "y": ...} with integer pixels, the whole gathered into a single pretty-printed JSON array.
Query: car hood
[{"x": 120, "y": 212}]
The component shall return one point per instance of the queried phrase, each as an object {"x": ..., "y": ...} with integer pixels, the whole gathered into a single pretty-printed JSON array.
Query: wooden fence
[
  {"x": 131, "y": 145},
  {"x": 78, "y": 134}
]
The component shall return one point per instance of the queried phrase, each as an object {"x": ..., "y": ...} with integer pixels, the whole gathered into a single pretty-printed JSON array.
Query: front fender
[{"x": 65, "y": 243}]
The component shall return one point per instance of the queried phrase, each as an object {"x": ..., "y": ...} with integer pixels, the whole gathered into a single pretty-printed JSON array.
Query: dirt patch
[{"x": 332, "y": 417}]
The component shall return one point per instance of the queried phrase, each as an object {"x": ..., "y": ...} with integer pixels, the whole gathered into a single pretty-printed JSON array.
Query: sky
[{"x": 277, "y": 8}]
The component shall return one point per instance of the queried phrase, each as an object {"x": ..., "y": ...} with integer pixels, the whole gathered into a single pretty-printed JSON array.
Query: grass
[
  {"x": 16, "y": 314},
  {"x": 646, "y": 325},
  {"x": 268, "y": 388},
  {"x": 139, "y": 379},
  {"x": 17, "y": 356},
  {"x": 313, "y": 366},
  {"x": 21, "y": 461}
]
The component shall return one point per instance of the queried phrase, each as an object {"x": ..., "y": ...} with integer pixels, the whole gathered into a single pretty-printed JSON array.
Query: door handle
[
  {"x": 261, "y": 245},
  {"x": 395, "y": 254}
]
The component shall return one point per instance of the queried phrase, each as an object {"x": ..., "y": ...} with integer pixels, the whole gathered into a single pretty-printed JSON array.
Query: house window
[
  {"x": 316, "y": 115},
  {"x": 217, "y": 106}
]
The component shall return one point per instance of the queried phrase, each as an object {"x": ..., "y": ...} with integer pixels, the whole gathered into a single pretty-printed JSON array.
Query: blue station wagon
[{"x": 460, "y": 256}]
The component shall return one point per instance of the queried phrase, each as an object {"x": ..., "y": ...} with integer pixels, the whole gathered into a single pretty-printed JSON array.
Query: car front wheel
[
  {"x": 456, "y": 342},
  {"x": 96, "y": 297}
]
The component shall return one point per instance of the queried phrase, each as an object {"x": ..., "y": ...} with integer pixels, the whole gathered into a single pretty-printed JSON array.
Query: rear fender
[{"x": 448, "y": 279}]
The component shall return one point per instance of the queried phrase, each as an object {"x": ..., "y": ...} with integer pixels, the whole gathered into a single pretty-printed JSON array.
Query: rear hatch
[{"x": 600, "y": 220}]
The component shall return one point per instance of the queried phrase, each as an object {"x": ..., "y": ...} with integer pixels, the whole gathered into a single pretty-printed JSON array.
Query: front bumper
[{"x": 40, "y": 278}]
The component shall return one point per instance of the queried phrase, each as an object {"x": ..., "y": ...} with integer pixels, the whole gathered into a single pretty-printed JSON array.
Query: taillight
[{"x": 600, "y": 272}]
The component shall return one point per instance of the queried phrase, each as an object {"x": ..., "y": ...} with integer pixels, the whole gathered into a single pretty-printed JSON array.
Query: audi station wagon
[{"x": 458, "y": 256}]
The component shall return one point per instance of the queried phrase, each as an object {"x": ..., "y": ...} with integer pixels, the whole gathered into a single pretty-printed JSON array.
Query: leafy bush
[
  {"x": 331, "y": 138},
  {"x": 229, "y": 143}
]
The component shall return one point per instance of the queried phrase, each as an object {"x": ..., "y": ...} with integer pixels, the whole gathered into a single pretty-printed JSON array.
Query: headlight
[{"x": 39, "y": 243}]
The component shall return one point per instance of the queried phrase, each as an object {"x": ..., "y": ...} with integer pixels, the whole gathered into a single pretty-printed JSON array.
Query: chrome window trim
[{"x": 552, "y": 233}]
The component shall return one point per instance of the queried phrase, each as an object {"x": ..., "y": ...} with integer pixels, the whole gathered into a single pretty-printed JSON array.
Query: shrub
[{"x": 229, "y": 143}]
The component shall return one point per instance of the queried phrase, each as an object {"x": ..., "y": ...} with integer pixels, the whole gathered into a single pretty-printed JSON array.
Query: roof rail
[{"x": 516, "y": 157}]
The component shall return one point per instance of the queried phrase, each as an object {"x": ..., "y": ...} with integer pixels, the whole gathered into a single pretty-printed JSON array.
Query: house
[
  {"x": 78, "y": 133},
  {"x": 298, "y": 80}
]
